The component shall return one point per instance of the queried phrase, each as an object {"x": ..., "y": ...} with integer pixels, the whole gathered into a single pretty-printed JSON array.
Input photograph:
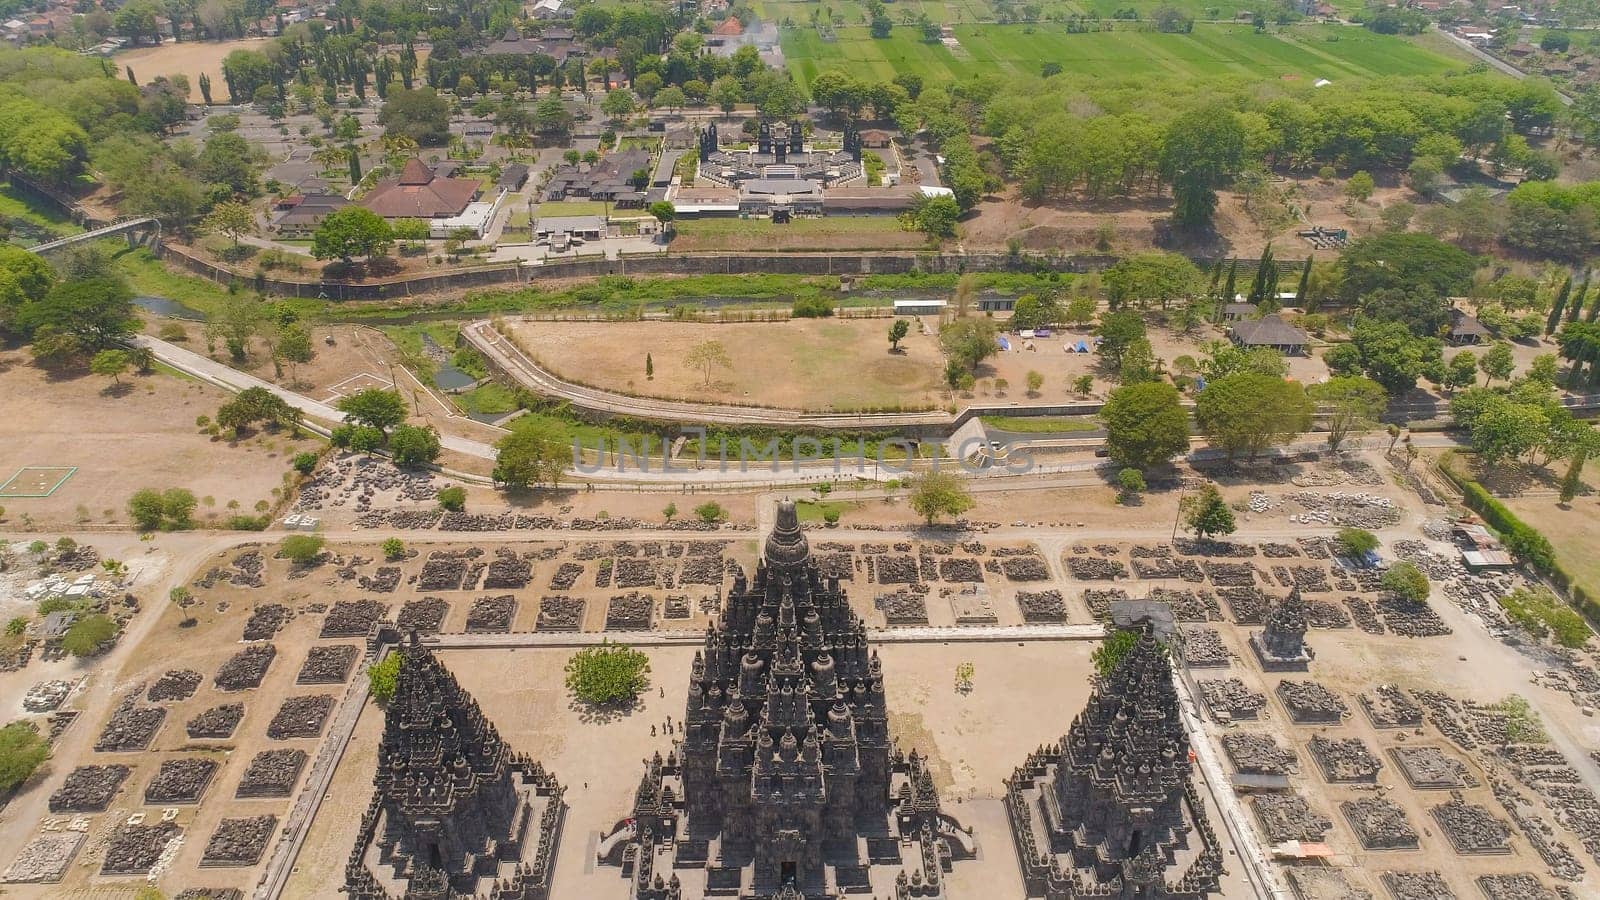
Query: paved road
[{"x": 1494, "y": 61}]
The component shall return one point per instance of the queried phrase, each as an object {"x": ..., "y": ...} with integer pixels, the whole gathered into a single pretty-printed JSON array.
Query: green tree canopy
[
  {"x": 414, "y": 445},
  {"x": 351, "y": 232},
  {"x": 1249, "y": 413},
  {"x": 608, "y": 674},
  {"x": 1350, "y": 405},
  {"x": 1145, "y": 424},
  {"x": 1206, "y": 513},
  {"x": 22, "y": 750},
  {"x": 939, "y": 494},
  {"x": 533, "y": 453},
  {"x": 374, "y": 408}
]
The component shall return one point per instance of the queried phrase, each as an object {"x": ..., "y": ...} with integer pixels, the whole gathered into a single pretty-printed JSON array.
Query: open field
[
  {"x": 189, "y": 58},
  {"x": 803, "y": 364},
  {"x": 24, "y": 222},
  {"x": 828, "y": 233},
  {"x": 142, "y": 435},
  {"x": 1303, "y": 52},
  {"x": 955, "y": 12}
]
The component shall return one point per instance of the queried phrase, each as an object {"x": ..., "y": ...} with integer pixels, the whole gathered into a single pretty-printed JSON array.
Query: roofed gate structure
[
  {"x": 1110, "y": 811},
  {"x": 455, "y": 814},
  {"x": 787, "y": 784}
]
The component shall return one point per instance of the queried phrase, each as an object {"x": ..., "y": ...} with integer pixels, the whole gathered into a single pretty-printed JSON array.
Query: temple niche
[
  {"x": 787, "y": 784},
  {"x": 456, "y": 813},
  {"x": 1110, "y": 811}
]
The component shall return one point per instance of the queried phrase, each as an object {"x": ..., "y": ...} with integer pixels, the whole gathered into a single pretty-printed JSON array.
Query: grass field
[
  {"x": 1042, "y": 424},
  {"x": 956, "y": 12},
  {"x": 1305, "y": 52},
  {"x": 828, "y": 233},
  {"x": 27, "y": 222},
  {"x": 569, "y": 208}
]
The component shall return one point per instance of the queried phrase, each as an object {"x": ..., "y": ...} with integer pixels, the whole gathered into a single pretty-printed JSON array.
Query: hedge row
[{"x": 1524, "y": 541}]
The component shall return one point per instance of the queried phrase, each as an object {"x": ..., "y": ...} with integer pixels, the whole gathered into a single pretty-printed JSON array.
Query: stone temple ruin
[
  {"x": 1110, "y": 810},
  {"x": 455, "y": 812},
  {"x": 1281, "y": 645},
  {"x": 787, "y": 785}
]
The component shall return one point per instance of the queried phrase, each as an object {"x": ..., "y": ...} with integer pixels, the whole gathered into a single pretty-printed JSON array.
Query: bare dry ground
[
  {"x": 189, "y": 58},
  {"x": 801, "y": 364},
  {"x": 141, "y": 435}
]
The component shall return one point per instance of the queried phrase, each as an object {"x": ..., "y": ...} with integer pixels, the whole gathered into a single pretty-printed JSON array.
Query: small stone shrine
[{"x": 1281, "y": 645}]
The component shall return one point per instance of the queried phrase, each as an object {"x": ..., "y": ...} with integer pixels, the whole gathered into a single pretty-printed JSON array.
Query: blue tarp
[
  {"x": 1041, "y": 332},
  {"x": 1080, "y": 347},
  {"x": 1004, "y": 344}
]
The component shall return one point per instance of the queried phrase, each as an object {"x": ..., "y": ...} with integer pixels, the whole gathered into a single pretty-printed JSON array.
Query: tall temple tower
[
  {"x": 1110, "y": 810},
  {"x": 455, "y": 812},
  {"x": 790, "y": 785}
]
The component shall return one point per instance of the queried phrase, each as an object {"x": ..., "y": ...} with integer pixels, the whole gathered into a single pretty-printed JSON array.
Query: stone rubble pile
[
  {"x": 1310, "y": 702},
  {"x": 1345, "y": 759},
  {"x": 245, "y": 669},
  {"x": 1379, "y": 824},
  {"x": 135, "y": 849},
  {"x": 632, "y": 611},
  {"x": 180, "y": 781},
  {"x": 560, "y": 613},
  {"x": 1042, "y": 606},
  {"x": 327, "y": 664},
  {"x": 131, "y": 728},
  {"x": 425, "y": 616},
  {"x": 301, "y": 717},
  {"x": 264, "y": 621},
  {"x": 491, "y": 615},
  {"x": 239, "y": 842},
  {"x": 46, "y": 695},
  {"x": 88, "y": 789},
  {"x": 1253, "y": 753},
  {"x": 1472, "y": 828},
  {"x": 352, "y": 618},
  {"x": 1203, "y": 648},
  {"x": 1231, "y": 698},
  {"x": 271, "y": 773},
  {"x": 176, "y": 684},
  {"x": 1287, "y": 817},
  {"x": 216, "y": 722}
]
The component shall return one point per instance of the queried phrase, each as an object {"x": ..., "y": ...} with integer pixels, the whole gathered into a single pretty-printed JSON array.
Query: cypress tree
[
  {"x": 205, "y": 88},
  {"x": 1576, "y": 305},
  {"x": 1573, "y": 481},
  {"x": 355, "y": 166},
  {"x": 1559, "y": 304},
  {"x": 1305, "y": 282},
  {"x": 1216, "y": 276},
  {"x": 1264, "y": 282},
  {"x": 1233, "y": 274}
]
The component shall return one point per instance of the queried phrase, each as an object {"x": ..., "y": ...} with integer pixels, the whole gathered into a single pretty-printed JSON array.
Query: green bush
[
  {"x": 22, "y": 749},
  {"x": 1356, "y": 542},
  {"x": 248, "y": 523},
  {"x": 305, "y": 463},
  {"x": 607, "y": 673},
  {"x": 453, "y": 498},
  {"x": 17, "y": 625},
  {"x": 382, "y": 678},
  {"x": 812, "y": 308},
  {"x": 1543, "y": 614},
  {"x": 710, "y": 512},
  {"x": 88, "y": 635},
  {"x": 1407, "y": 580},
  {"x": 393, "y": 549},
  {"x": 301, "y": 548}
]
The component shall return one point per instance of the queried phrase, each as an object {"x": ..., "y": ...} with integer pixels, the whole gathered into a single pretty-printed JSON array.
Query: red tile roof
[{"x": 419, "y": 194}]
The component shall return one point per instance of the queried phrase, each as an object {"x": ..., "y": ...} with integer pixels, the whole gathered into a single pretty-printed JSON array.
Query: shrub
[
  {"x": 608, "y": 673},
  {"x": 305, "y": 463},
  {"x": 1131, "y": 481},
  {"x": 710, "y": 512},
  {"x": 365, "y": 439},
  {"x": 1356, "y": 542},
  {"x": 88, "y": 635},
  {"x": 248, "y": 523},
  {"x": 1543, "y": 614},
  {"x": 22, "y": 749},
  {"x": 301, "y": 549},
  {"x": 830, "y": 515},
  {"x": 382, "y": 678},
  {"x": 17, "y": 625},
  {"x": 812, "y": 308},
  {"x": 1407, "y": 580},
  {"x": 453, "y": 498},
  {"x": 393, "y": 549}
]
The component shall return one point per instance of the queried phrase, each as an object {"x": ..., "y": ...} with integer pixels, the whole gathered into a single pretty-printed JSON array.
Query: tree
[
  {"x": 968, "y": 342},
  {"x": 1080, "y": 311},
  {"x": 1118, "y": 331},
  {"x": 420, "y": 115},
  {"x": 232, "y": 219},
  {"x": 1145, "y": 424},
  {"x": 669, "y": 511},
  {"x": 1408, "y": 261},
  {"x": 1388, "y": 353},
  {"x": 1350, "y": 406},
  {"x": 608, "y": 674},
  {"x": 383, "y": 677},
  {"x": 374, "y": 408},
  {"x": 706, "y": 356},
  {"x": 710, "y": 512},
  {"x": 1151, "y": 278},
  {"x": 726, "y": 93},
  {"x": 1111, "y": 651},
  {"x": 88, "y": 635},
  {"x": 671, "y": 97},
  {"x": 301, "y": 549},
  {"x": 144, "y": 507},
  {"x": 1202, "y": 148},
  {"x": 1360, "y": 186},
  {"x": 256, "y": 404},
  {"x": 617, "y": 105},
  {"x": 664, "y": 212},
  {"x": 1224, "y": 358},
  {"x": 533, "y": 453},
  {"x": 350, "y": 232},
  {"x": 1206, "y": 514},
  {"x": 1033, "y": 311},
  {"x": 939, "y": 494},
  {"x": 897, "y": 333},
  {"x": 110, "y": 363},
  {"x": 935, "y": 216},
  {"x": 22, "y": 750},
  {"x": 1035, "y": 382},
  {"x": 1497, "y": 362},
  {"x": 293, "y": 345},
  {"x": 393, "y": 549},
  {"x": 1406, "y": 580},
  {"x": 1462, "y": 371},
  {"x": 413, "y": 445},
  {"x": 1572, "y": 482},
  {"x": 1251, "y": 412},
  {"x": 1083, "y": 384},
  {"x": 1356, "y": 542},
  {"x": 92, "y": 313},
  {"x": 452, "y": 498},
  {"x": 1558, "y": 305}
]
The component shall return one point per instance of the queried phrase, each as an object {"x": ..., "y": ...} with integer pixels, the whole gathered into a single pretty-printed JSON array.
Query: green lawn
[
  {"x": 1042, "y": 424},
  {"x": 31, "y": 221},
  {"x": 570, "y": 208},
  {"x": 1305, "y": 52},
  {"x": 487, "y": 399},
  {"x": 721, "y": 227}
]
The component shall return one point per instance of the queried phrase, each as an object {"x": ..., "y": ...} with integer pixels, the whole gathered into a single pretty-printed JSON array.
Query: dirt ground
[
  {"x": 142, "y": 435},
  {"x": 800, "y": 364},
  {"x": 188, "y": 58},
  {"x": 344, "y": 357}
]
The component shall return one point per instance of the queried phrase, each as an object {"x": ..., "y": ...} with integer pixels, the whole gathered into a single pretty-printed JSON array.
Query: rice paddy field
[
  {"x": 956, "y": 12},
  {"x": 1303, "y": 52}
]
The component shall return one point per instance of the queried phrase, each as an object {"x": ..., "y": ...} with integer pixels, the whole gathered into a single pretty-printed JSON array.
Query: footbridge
[{"x": 130, "y": 226}]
